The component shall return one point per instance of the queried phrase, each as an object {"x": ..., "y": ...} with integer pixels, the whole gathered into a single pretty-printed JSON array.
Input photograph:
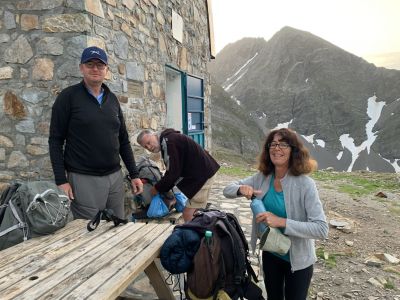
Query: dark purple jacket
[{"x": 188, "y": 166}]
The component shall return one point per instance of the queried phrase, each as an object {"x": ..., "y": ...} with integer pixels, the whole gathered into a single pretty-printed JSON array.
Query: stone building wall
[{"x": 40, "y": 46}]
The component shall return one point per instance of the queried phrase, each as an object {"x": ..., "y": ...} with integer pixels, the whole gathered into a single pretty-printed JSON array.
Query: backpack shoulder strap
[
  {"x": 8, "y": 192},
  {"x": 21, "y": 223},
  {"x": 235, "y": 224},
  {"x": 6, "y": 195}
]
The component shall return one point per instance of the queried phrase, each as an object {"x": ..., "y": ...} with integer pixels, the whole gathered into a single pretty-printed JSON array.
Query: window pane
[
  {"x": 195, "y": 104},
  {"x": 194, "y": 86},
  {"x": 195, "y": 121}
]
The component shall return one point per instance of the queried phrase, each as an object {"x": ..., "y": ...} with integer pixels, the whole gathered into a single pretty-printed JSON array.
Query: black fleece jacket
[
  {"x": 188, "y": 166},
  {"x": 94, "y": 135}
]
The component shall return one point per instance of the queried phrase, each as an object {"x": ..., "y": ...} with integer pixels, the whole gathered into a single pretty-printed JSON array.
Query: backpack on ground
[
  {"x": 31, "y": 209},
  {"x": 221, "y": 265}
]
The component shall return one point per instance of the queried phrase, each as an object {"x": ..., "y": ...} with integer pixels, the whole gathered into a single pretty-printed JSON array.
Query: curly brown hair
[{"x": 300, "y": 161}]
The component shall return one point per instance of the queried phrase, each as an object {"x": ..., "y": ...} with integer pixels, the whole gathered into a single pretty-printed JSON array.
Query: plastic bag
[
  {"x": 157, "y": 208},
  {"x": 181, "y": 200},
  {"x": 273, "y": 240}
]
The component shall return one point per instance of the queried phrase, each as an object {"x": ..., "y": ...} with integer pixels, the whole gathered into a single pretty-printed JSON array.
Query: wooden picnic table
[
  {"x": 73, "y": 263},
  {"x": 173, "y": 217}
]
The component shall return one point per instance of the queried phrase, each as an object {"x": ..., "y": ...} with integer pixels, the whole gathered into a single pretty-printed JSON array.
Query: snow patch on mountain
[
  {"x": 309, "y": 138},
  {"x": 374, "y": 110},
  {"x": 339, "y": 156},
  {"x": 229, "y": 82},
  {"x": 284, "y": 125},
  {"x": 236, "y": 100},
  {"x": 320, "y": 143},
  {"x": 395, "y": 164}
]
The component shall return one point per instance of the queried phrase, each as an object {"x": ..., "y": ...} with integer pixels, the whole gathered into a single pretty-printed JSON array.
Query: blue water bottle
[{"x": 257, "y": 206}]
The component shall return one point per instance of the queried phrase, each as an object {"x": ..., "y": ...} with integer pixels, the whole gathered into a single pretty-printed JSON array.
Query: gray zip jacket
[{"x": 305, "y": 221}]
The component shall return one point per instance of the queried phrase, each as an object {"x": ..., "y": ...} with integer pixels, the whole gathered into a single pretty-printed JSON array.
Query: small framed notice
[
  {"x": 190, "y": 124},
  {"x": 177, "y": 26}
]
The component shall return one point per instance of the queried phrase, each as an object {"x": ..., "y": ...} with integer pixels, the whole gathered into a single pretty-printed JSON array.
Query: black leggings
[{"x": 281, "y": 283}]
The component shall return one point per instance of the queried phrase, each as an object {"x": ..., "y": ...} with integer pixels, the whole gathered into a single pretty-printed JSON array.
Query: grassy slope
[{"x": 355, "y": 184}]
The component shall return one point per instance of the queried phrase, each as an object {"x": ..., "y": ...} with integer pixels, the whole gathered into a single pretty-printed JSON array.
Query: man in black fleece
[
  {"x": 188, "y": 166},
  {"x": 87, "y": 137}
]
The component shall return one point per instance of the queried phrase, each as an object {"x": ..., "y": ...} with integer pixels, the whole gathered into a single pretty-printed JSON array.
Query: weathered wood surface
[
  {"x": 74, "y": 263},
  {"x": 173, "y": 218}
]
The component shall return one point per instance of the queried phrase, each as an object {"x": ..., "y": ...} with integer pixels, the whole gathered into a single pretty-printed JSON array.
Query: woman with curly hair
[{"x": 292, "y": 204}]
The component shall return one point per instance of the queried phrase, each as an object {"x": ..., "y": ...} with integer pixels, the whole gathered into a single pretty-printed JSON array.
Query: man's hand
[
  {"x": 137, "y": 186},
  {"x": 66, "y": 187}
]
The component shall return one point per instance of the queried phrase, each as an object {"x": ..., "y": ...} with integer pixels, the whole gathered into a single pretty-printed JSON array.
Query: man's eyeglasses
[
  {"x": 281, "y": 145},
  {"x": 92, "y": 65}
]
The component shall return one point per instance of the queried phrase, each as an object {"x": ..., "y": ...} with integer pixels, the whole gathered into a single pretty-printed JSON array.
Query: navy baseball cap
[{"x": 93, "y": 53}]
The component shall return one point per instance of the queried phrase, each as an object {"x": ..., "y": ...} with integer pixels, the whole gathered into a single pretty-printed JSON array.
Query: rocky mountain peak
[{"x": 318, "y": 89}]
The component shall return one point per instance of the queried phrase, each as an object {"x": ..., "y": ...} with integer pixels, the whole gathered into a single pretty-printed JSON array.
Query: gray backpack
[
  {"x": 150, "y": 174},
  {"x": 31, "y": 209}
]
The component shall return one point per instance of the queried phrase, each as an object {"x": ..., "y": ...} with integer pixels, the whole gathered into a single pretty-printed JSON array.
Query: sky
[{"x": 361, "y": 27}]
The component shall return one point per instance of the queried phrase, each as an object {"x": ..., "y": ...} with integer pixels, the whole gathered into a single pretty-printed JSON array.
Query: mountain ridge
[{"x": 318, "y": 89}]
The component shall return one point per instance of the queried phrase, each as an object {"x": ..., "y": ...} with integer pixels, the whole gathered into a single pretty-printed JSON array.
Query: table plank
[
  {"x": 173, "y": 218},
  {"x": 122, "y": 271},
  {"x": 38, "y": 243},
  {"x": 55, "y": 266},
  {"x": 50, "y": 248},
  {"x": 100, "y": 269}
]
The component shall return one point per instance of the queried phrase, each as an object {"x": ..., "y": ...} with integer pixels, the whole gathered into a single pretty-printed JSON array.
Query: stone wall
[{"x": 40, "y": 46}]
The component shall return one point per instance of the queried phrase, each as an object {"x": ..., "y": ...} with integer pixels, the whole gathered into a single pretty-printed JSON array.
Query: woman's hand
[
  {"x": 248, "y": 191},
  {"x": 271, "y": 220}
]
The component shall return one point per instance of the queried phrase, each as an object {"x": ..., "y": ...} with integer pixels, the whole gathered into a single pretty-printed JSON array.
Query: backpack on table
[
  {"x": 221, "y": 265},
  {"x": 150, "y": 174},
  {"x": 31, "y": 209}
]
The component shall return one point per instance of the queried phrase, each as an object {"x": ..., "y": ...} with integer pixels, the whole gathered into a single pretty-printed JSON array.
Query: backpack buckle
[{"x": 237, "y": 280}]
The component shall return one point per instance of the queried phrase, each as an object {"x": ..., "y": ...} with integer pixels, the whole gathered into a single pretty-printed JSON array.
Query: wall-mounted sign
[
  {"x": 135, "y": 89},
  {"x": 177, "y": 26}
]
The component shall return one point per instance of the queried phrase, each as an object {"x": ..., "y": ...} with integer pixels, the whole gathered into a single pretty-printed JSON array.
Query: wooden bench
[{"x": 74, "y": 263}]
